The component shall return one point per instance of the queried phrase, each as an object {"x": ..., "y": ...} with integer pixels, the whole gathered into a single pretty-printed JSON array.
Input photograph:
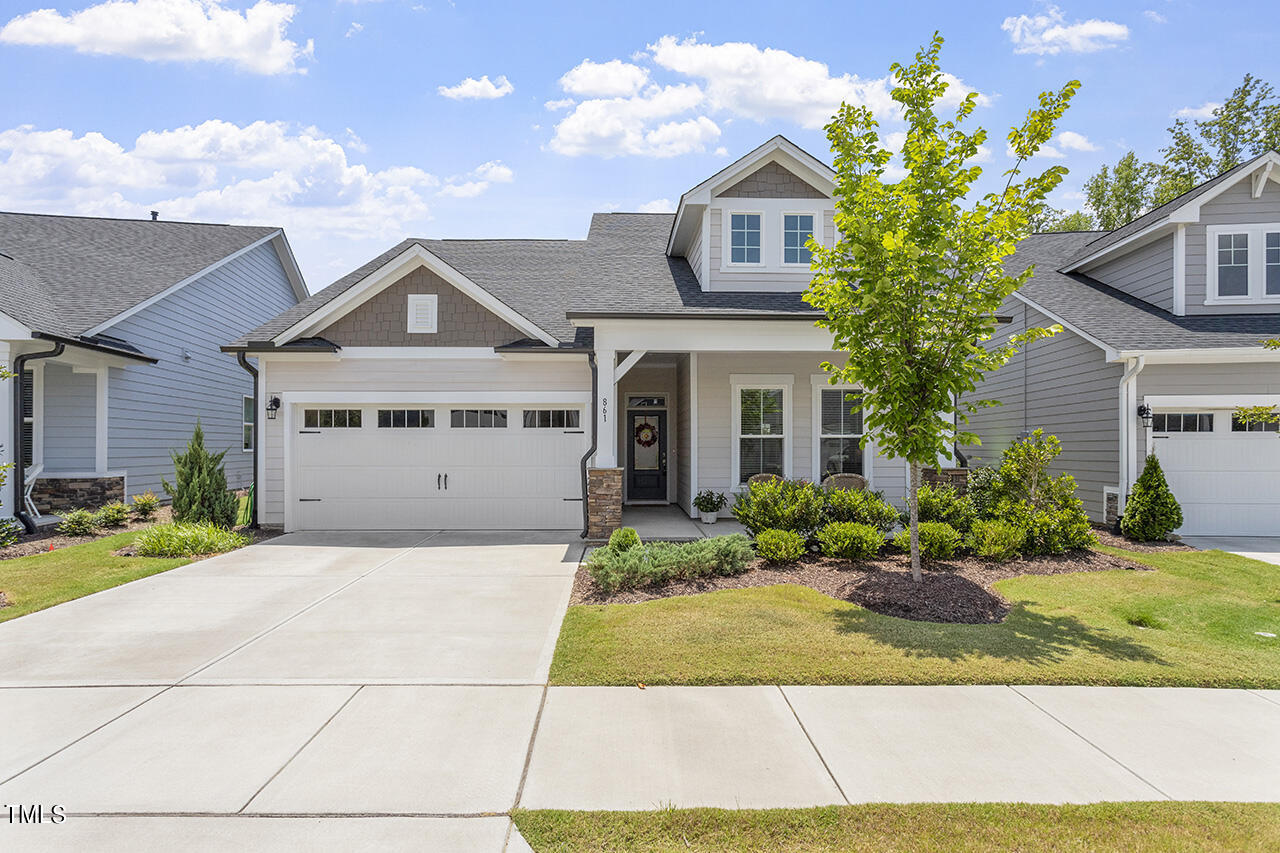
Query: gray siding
[
  {"x": 1235, "y": 206},
  {"x": 745, "y": 280},
  {"x": 695, "y": 252},
  {"x": 1218, "y": 380},
  {"x": 70, "y": 409},
  {"x": 1065, "y": 386},
  {"x": 1146, "y": 272},
  {"x": 153, "y": 408}
]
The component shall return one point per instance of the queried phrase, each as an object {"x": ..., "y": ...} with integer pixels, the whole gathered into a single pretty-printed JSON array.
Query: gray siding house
[{"x": 115, "y": 326}]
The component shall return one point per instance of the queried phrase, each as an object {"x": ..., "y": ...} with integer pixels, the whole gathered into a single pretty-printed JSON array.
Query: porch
[{"x": 672, "y": 524}]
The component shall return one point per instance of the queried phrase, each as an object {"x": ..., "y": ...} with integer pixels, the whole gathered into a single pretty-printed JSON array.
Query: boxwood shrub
[
  {"x": 938, "y": 540},
  {"x": 780, "y": 546},
  {"x": 849, "y": 540},
  {"x": 792, "y": 505},
  {"x": 995, "y": 539},
  {"x": 861, "y": 507}
]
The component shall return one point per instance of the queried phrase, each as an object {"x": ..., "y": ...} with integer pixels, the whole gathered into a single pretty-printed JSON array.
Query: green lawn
[
  {"x": 1160, "y": 826},
  {"x": 43, "y": 580},
  {"x": 1191, "y": 622}
]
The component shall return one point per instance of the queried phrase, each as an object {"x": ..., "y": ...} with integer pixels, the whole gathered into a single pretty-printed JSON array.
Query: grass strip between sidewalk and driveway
[
  {"x": 1199, "y": 619},
  {"x": 1155, "y": 826},
  {"x": 42, "y": 580}
]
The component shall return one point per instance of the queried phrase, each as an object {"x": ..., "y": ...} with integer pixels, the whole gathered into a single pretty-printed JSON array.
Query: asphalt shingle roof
[{"x": 66, "y": 274}]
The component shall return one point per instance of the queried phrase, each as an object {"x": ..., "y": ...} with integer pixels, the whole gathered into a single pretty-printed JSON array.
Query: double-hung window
[
  {"x": 1233, "y": 264},
  {"x": 760, "y": 430},
  {"x": 797, "y": 228},
  {"x": 1244, "y": 264},
  {"x": 744, "y": 238},
  {"x": 840, "y": 432},
  {"x": 1271, "y": 271},
  {"x": 246, "y": 424}
]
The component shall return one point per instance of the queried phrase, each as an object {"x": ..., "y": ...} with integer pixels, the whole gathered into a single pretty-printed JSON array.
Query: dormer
[{"x": 745, "y": 227}]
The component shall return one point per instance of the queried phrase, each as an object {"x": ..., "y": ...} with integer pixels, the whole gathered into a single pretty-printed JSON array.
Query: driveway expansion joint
[{"x": 812, "y": 743}]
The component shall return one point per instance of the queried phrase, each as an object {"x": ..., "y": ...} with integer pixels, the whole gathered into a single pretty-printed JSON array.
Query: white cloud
[
  {"x": 612, "y": 79},
  {"x": 263, "y": 173},
  {"x": 484, "y": 88},
  {"x": 1154, "y": 17},
  {"x": 171, "y": 30},
  {"x": 1069, "y": 140},
  {"x": 355, "y": 143},
  {"x": 355, "y": 29},
  {"x": 614, "y": 126},
  {"x": 561, "y": 104},
  {"x": 1203, "y": 111},
  {"x": 1050, "y": 34},
  {"x": 478, "y": 180},
  {"x": 658, "y": 205}
]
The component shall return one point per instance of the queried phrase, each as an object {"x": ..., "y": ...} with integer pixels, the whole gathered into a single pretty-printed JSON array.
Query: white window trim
[
  {"x": 248, "y": 398},
  {"x": 1257, "y": 264},
  {"x": 726, "y": 223},
  {"x": 739, "y": 382},
  {"x": 782, "y": 235},
  {"x": 821, "y": 383},
  {"x": 37, "y": 416},
  {"x": 416, "y": 299}
]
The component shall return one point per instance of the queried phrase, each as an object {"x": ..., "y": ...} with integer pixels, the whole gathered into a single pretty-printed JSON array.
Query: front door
[{"x": 647, "y": 456}]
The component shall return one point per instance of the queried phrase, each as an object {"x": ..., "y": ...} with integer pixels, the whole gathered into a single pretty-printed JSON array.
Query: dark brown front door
[{"x": 647, "y": 456}]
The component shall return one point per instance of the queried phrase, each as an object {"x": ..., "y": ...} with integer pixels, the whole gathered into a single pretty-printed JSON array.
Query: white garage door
[
  {"x": 1226, "y": 478},
  {"x": 398, "y": 467}
]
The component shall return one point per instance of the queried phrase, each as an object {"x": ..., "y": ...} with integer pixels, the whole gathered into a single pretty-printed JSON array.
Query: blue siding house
[{"x": 113, "y": 328}]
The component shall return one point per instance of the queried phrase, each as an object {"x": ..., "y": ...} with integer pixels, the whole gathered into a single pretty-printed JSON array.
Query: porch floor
[{"x": 670, "y": 524}]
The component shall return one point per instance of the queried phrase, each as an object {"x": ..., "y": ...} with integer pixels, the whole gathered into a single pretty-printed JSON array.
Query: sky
[{"x": 356, "y": 123}]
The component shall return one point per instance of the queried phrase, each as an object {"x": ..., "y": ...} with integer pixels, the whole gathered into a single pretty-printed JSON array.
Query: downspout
[
  {"x": 591, "y": 451},
  {"x": 19, "y": 463},
  {"x": 257, "y": 437},
  {"x": 1128, "y": 435}
]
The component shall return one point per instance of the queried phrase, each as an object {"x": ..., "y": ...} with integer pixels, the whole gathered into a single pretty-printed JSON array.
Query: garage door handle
[
  {"x": 309, "y": 500},
  {"x": 437, "y": 482},
  {"x": 308, "y": 432},
  {"x": 446, "y": 482}
]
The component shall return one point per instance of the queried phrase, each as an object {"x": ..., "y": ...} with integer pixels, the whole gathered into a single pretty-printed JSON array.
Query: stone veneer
[
  {"x": 958, "y": 477},
  {"x": 771, "y": 181},
  {"x": 604, "y": 501},
  {"x": 383, "y": 321},
  {"x": 61, "y": 494}
]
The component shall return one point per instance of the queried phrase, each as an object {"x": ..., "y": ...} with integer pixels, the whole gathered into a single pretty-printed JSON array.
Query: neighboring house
[
  {"x": 135, "y": 311},
  {"x": 1163, "y": 323}
]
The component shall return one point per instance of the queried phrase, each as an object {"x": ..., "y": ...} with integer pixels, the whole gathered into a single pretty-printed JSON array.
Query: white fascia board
[
  {"x": 677, "y": 335},
  {"x": 364, "y": 398},
  {"x": 418, "y": 352},
  {"x": 1216, "y": 355},
  {"x": 392, "y": 271},
  {"x": 1210, "y": 401},
  {"x": 174, "y": 288},
  {"x": 1110, "y": 351},
  {"x": 291, "y": 269},
  {"x": 11, "y": 329}
]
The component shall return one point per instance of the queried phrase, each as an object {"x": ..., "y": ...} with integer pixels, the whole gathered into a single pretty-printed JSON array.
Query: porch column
[
  {"x": 606, "y": 409},
  {"x": 100, "y": 422},
  {"x": 8, "y": 441}
]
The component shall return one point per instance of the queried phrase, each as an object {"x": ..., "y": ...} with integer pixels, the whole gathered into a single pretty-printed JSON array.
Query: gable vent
[{"x": 422, "y": 313}]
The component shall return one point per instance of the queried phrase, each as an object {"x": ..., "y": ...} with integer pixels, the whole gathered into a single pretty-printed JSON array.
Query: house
[
  {"x": 1163, "y": 323},
  {"x": 113, "y": 327}
]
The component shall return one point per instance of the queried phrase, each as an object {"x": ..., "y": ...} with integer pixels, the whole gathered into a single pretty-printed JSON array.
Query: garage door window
[
  {"x": 478, "y": 418},
  {"x": 331, "y": 418},
  {"x": 1238, "y": 425},
  {"x": 551, "y": 419},
  {"x": 1181, "y": 422},
  {"x": 406, "y": 418}
]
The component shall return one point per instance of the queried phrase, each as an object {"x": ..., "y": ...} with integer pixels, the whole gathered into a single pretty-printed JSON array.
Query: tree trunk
[{"x": 913, "y": 506}]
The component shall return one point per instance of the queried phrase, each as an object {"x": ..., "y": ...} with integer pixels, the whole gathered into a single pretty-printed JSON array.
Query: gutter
[
  {"x": 19, "y": 463},
  {"x": 1128, "y": 427},
  {"x": 591, "y": 451},
  {"x": 257, "y": 438},
  {"x": 95, "y": 345}
]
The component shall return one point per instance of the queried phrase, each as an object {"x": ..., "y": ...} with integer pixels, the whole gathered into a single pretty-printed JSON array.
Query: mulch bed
[
  {"x": 39, "y": 542},
  {"x": 1106, "y": 537},
  {"x": 957, "y": 591}
]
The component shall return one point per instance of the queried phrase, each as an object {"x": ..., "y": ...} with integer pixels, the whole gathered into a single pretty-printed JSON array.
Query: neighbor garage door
[
  {"x": 1225, "y": 476},
  {"x": 395, "y": 467}
]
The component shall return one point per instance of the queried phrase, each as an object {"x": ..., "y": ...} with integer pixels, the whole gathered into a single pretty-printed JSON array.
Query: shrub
[
  {"x": 945, "y": 504},
  {"x": 1152, "y": 512},
  {"x": 111, "y": 515},
  {"x": 733, "y": 553},
  {"x": 78, "y": 522},
  {"x": 188, "y": 540},
  {"x": 623, "y": 539},
  {"x": 862, "y": 507},
  {"x": 938, "y": 540},
  {"x": 145, "y": 506},
  {"x": 850, "y": 540},
  {"x": 656, "y": 563},
  {"x": 1043, "y": 506},
  {"x": 791, "y": 505},
  {"x": 780, "y": 546},
  {"x": 1050, "y": 531},
  {"x": 994, "y": 539},
  {"x": 200, "y": 491},
  {"x": 10, "y": 530},
  {"x": 708, "y": 500},
  {"x": 981, "y": 491}
]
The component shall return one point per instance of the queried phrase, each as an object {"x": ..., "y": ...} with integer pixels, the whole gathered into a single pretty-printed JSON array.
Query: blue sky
[{"x": 353, "y": 125}]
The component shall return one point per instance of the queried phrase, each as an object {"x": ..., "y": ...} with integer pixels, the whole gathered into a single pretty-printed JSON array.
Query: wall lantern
[
  {"x": 1144, "y": 412},
  {"x": 273, "y": 406}
]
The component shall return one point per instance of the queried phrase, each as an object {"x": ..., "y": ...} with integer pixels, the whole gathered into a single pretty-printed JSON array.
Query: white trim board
[
  {"x": 820, "y": 382},
  {"x": 1211, "y": 401},
  {"x": 365, "y": 398},
  {"x": 1110, "y": 352}
]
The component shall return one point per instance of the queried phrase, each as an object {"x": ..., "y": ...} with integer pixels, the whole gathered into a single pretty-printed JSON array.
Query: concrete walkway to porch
[{"x": 669, "y": 523}]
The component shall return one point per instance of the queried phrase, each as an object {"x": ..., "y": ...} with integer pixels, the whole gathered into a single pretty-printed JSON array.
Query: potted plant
[{"x": 709, "y": 503}]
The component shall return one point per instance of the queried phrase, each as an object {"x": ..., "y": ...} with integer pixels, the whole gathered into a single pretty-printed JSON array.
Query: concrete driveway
[
  {"x": 342, "y": 673},
  {"x": 1264, "y": 548}
]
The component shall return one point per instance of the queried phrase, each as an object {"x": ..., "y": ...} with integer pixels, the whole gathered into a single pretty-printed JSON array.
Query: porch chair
[
  {"x": 30, "y": 476},
  {"x": 761, "y": 478},
  {"x": 849, "y": 482}
]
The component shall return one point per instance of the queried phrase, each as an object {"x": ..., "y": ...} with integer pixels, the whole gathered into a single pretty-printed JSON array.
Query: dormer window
[
  {"x": 744, "y": 236},
  {"x": 1244, "y": 264},
  {"x": 797, "y": 228}
]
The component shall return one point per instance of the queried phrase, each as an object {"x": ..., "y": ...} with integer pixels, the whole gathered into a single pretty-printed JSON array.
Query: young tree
[
  {"x": 1122, "y": 194},
  {"x": 911, "y": 289},
  {"x": 200, "y": 492}
]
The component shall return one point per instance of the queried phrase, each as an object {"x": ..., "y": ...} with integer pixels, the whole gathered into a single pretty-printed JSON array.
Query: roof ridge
[{"x": 128, "y": 219}]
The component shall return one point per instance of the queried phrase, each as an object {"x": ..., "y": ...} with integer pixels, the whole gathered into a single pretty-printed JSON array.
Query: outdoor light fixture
[
  {"x": 1144, "y": 412},
  {"x": 273, "y": 406}
]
